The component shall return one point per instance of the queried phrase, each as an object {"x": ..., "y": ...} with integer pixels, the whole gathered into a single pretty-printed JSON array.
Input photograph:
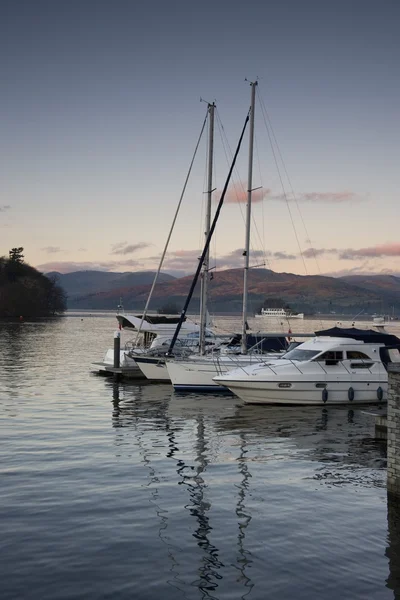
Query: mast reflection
[
  {"x": 137, "y": 406},
  {"x": 244, "y": 518},
  {"x": 191, "y": 476}
]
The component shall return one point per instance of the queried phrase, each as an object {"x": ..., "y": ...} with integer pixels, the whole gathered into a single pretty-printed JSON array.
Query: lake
[{"x": 132, "y": 491}]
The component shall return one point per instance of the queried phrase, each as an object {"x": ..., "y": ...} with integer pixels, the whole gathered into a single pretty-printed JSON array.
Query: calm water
[{"x": 130, "y": 491}]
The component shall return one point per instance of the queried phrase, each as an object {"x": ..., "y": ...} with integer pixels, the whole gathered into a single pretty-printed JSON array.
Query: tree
[
  {"x": 16, "y": 256},
  {"x": 25, "y": 291}
]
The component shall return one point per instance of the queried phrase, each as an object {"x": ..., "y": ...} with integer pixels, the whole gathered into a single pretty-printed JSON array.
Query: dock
[{"x": 107, "y": 370}]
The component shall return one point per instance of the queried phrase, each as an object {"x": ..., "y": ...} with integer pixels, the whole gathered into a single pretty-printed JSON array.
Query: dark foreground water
[{"x": 133, "y": 492}]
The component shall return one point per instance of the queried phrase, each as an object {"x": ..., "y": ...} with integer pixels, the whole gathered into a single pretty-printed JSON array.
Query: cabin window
[
  {"x": 361, "y": 365},
  {"x": 355, "y": 354},
  {"x": 284, "y": 385},
  {"x": 332, "y": 357},
  {"x": 320, "y": 385},
  {"x": 300, "y": 354}
]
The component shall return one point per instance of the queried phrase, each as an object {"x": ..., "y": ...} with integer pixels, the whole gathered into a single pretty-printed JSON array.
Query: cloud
[
  {"x": 314, "y": 252},
  {"x": 362, "y": 269},
  {"x": 238, "y": 194},
  {"x": 5, "y": 207},
  {"x": 125, "y": 248},
  {"x": 186, "y": 261},
  {"x": 379, "y": 251},
  {"x": 282, "y": 256},
  {"x": 318, "y": 197},
  {"x": 71, "y": 266},
  {"x": 51, "y": 249}
]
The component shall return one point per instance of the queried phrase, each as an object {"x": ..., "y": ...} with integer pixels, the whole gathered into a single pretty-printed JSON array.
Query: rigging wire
[
  {"x": 171, "y": 229},
  {"x": 290, "y": 183},
  {"x": 242, "y": 191},
  {"x": 207, "y": 244},
  {"x": 282, "y": 184},
  {"x": 268, "y": 120}
]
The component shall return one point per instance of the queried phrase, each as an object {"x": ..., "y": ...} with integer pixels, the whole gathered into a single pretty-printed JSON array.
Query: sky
[{"x": 101, "y": 112}]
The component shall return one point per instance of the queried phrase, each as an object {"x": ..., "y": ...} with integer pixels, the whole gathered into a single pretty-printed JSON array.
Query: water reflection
[
  {"x": 189, "y": 435},
  {"x": 198, "y": 507},
  {"x": 244, "y": 517},
  {"x": 321, "y": 434},
  {"x": 190, "y": 474}
]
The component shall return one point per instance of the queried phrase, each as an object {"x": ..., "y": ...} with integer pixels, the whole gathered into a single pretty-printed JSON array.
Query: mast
[
  {"x": 206, "y": 263},
  {"x": 248, "y": 218},
  {"x": 207, "y": 244}
]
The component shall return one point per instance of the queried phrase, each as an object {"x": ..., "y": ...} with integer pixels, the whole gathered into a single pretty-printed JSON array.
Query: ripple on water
[{"x": 121, "y": 491}]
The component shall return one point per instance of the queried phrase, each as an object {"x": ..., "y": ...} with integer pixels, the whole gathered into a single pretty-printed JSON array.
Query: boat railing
[{"x": 275, "y": 367}]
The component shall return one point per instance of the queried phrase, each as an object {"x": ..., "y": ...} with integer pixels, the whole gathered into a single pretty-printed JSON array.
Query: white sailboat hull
[
  {"x": 198, "y": 375},
  {"x": 154, "y": 369}
]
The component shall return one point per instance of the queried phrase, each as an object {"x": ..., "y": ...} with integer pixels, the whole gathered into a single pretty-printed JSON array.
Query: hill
[
  {"x": 26, "y": 292},
  {"x": 387, "y": 284},
  {"x": 310, "y": 293},
  {"x": 81, "y": 283}
]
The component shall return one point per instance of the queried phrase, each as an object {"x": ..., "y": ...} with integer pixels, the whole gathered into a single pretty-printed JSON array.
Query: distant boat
[
  {"x": 279, "y": 312},
  {"x": 378, "y": 319}
]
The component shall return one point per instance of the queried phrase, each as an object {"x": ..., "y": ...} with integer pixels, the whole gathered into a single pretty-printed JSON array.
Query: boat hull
[
  {"x": 307, "y": 393},
  {"x": 191, "y": 375},
  {"x": 154, "y": 369}
]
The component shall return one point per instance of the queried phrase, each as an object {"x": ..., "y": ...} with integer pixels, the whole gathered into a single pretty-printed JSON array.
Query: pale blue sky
[{"x": 100, "y": 114}]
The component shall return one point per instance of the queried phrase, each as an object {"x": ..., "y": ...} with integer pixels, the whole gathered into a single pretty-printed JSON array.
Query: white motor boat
[{"x": 338, "y": 366}]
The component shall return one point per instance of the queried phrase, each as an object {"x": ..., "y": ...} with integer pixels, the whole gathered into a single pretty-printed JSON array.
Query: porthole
[
  {"x": 320, "y": 385},
  {"x": 284, "y": 385}
]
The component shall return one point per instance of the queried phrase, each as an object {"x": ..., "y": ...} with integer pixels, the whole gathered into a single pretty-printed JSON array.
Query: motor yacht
[{"x": 337, "y": 366}]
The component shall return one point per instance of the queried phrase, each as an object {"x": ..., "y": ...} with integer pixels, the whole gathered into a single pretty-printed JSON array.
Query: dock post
[
  {"x": 117, "y": 349},
  {"x": 393, "y": 431}
]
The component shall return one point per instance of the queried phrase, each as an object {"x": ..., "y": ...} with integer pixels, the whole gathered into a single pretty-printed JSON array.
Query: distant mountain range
[
  {"x": 82, "y": 283},
  {"x": 99, "y": 290}
]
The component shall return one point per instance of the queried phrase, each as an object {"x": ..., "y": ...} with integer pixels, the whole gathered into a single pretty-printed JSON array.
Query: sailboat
[
  {"x": 155, "y": 332},
  {"x": 196, "y": 373},
  {"x": 153, "y": 364}
]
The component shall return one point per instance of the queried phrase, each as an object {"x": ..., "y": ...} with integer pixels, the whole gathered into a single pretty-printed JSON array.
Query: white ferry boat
[{"x": 280, "y": 312}]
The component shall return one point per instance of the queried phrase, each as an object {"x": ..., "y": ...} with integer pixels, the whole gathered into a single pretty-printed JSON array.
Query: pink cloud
[
  {"x": 391, "y": 249},
  {"x": 238, "y": 194},
  {"x": 319, "y": 197}
]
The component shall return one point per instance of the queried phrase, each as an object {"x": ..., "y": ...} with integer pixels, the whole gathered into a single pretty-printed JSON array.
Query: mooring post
[
  {"x": 117, "y": 349},
  {"x": 393, "y": 431}
]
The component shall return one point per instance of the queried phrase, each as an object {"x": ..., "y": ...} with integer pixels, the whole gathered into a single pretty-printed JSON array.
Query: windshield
[{"x": 299, "y": 354}]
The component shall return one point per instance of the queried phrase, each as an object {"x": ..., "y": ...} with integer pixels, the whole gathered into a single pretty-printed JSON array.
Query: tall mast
[
  {"x": 248, "y": 218},
  {"x": 206, "y": 263}
]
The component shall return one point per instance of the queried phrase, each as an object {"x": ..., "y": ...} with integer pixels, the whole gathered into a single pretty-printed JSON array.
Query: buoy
[
  {"x": 379, "y": 393},
  {"x": 350, "y": 394},
  {"x": 21, "y": 318},
  {"x": 324, "y": 395}
]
